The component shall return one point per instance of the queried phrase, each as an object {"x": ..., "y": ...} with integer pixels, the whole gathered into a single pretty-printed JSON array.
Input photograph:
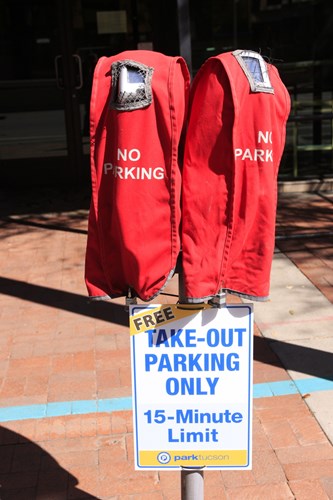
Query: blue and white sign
[{"x": 192, "y": 386}]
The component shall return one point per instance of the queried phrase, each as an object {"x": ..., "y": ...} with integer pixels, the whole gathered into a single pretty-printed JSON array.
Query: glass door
[
  {"x": 48, "y": 51},
  {"x": 34, "y": 135}
]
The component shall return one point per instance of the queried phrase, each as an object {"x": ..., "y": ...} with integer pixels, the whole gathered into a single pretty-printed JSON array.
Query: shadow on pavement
[
  {"x": 22, "y": 201},
  {"x": 297, "y": 358},
  {"x": 28, "y": 472},
  {"x": 67, "y": 301},
  {"x": 302, "y": 359}
]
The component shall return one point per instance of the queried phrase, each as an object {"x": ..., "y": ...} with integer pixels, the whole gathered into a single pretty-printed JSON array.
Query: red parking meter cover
[
  {"x": 235, "y": 139},
  {"x": 137, "y": 115}
]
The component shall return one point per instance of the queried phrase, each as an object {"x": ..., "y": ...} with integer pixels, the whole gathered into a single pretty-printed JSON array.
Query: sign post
[
  {"x": 192, "y": 484},
  {"x": 192, "y": 387}
]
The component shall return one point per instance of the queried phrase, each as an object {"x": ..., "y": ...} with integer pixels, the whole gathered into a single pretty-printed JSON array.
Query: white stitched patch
[
  {"x": 131, "y": 85},
  {"x": 255, "y": 70}
]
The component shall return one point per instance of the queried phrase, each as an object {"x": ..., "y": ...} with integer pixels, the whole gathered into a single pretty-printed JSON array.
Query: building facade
[{"x": 49, "y": 50}]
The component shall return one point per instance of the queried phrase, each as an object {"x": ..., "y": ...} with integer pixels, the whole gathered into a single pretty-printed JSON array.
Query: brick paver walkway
[
  {"x": 56, "y": 347},
  {"x": 305, "y": 235}
]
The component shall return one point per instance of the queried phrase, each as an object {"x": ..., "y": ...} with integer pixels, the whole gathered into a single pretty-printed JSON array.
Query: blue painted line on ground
[
  {"x": 306, "y": 385},
  {"x": 84, "y": 407},
  {"x": 116, "y": 404},
  {"x": 58, "y": 409},
  {"x": 22, "y": 412},
  {"x": 269, "y": 389}
]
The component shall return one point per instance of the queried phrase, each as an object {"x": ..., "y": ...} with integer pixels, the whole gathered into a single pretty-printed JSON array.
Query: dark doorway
[{"x": 48, "y": 51}]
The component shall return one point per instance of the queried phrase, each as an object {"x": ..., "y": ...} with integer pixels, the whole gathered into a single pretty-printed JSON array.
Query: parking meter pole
[
  {"x": 130, "y": 300},
  {"x": 192, "y": 484},
  {"x": 192, "y": 480},
  {"x": 219, "y": 300}
]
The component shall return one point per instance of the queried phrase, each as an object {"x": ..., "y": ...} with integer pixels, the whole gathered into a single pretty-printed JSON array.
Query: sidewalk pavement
[{"x": 65, "y": 382}]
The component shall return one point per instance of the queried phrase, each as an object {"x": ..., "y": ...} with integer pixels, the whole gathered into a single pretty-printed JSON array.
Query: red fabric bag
[
  {"x": 137, "y": 114},
  {"x": 234, "y": 143}
]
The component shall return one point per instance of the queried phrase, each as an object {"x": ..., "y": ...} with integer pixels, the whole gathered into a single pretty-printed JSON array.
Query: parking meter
[
  {"x": 137, "y": 115},
  {"x": 235, "y": 139}
]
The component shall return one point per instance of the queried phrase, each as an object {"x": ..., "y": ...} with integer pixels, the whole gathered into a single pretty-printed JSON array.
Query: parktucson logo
[
  {"x": 163, "y": 457},
  {"x": 201, "y": 457}
]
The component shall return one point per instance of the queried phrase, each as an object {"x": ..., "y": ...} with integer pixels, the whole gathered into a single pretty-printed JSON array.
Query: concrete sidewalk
[{"x": 65, "y": 381}]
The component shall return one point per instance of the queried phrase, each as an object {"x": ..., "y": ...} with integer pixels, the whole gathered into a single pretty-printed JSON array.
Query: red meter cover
[
  {"x": 137, "y": 115},
  {"x": 235, "y": 139}
]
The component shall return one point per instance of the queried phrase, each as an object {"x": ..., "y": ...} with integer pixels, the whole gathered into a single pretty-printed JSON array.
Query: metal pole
[
  {"x": 192, "y": 479},
  {"x": 192, "y": 484}
]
